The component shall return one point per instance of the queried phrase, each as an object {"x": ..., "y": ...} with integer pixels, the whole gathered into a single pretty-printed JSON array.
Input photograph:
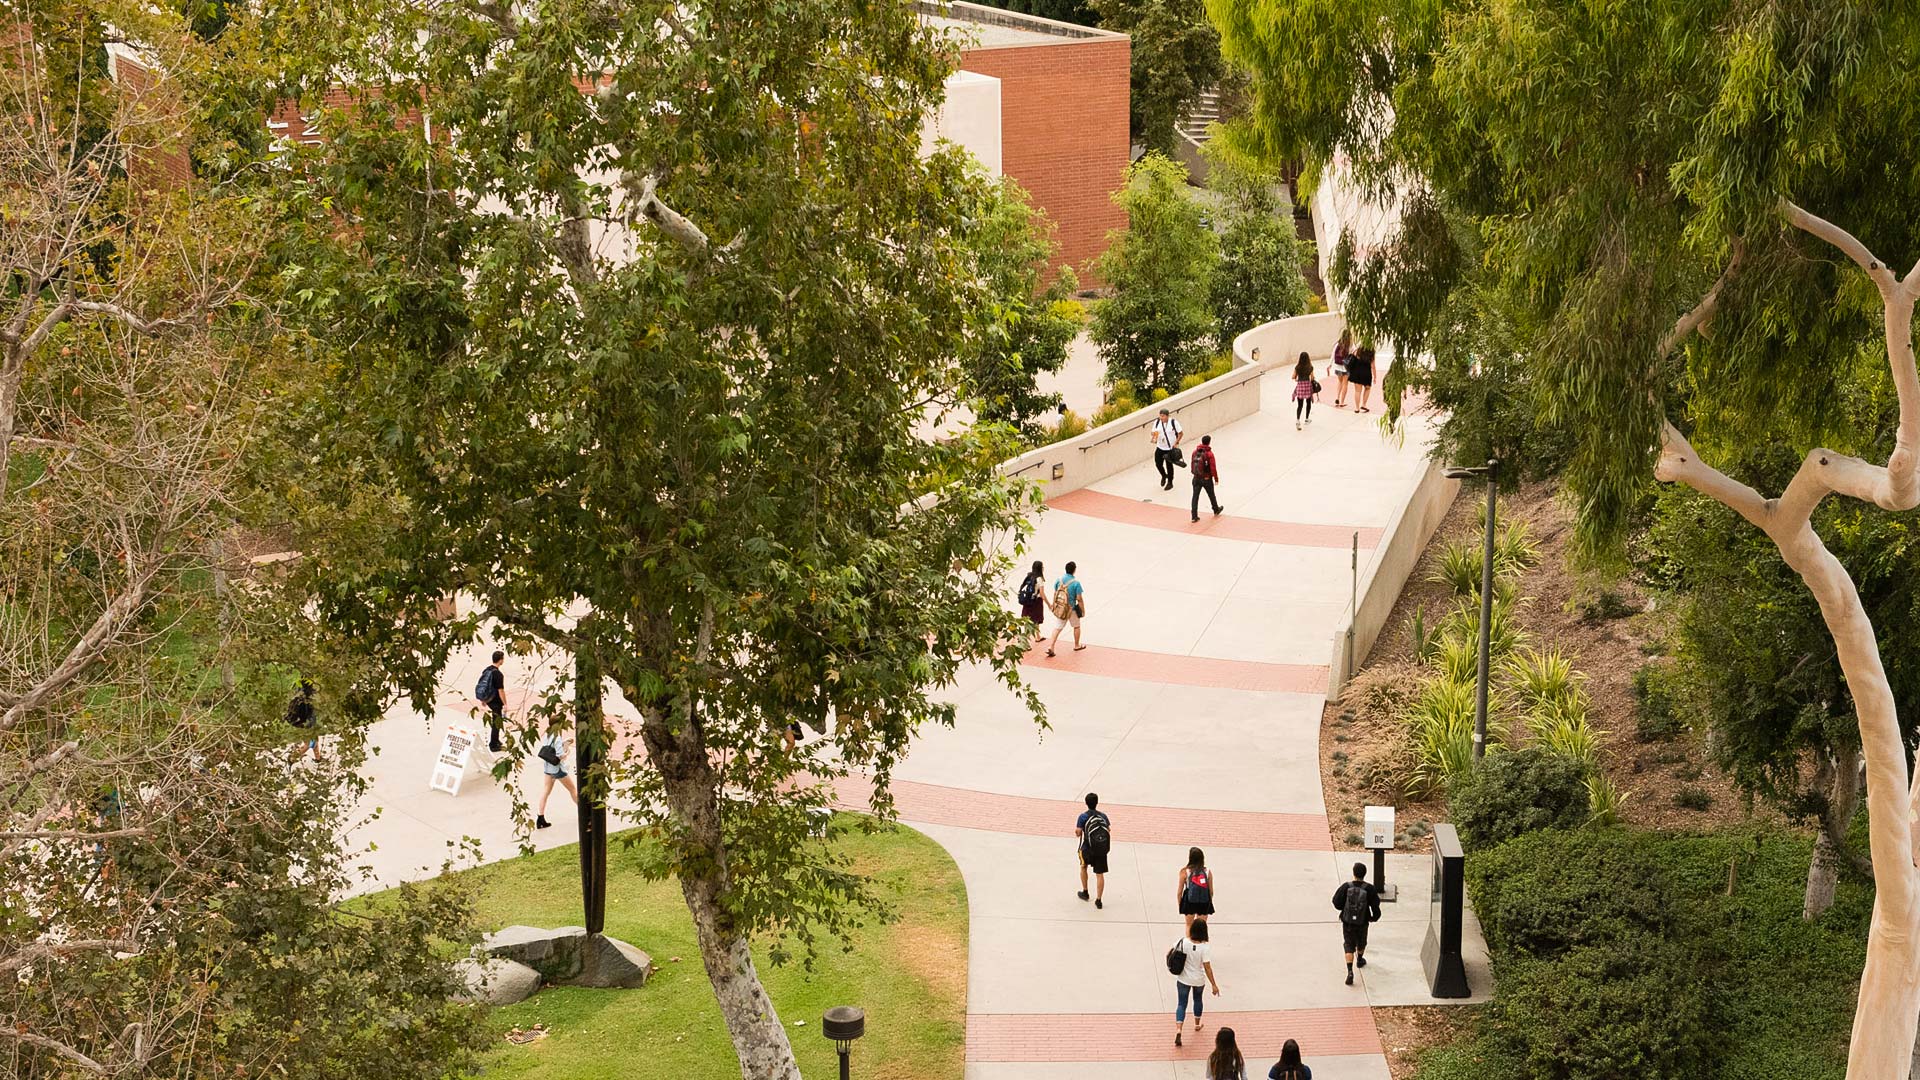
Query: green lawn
[{"x": 910, "y": 976}]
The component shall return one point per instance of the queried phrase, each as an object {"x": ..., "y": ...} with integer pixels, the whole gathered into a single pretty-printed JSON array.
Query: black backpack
[
  {"x": 1029, "y": 590},
  {"x": 1199, "y": 887},
  {"x": 1355, "y": 909},
  {"x": 1095, "y": 834},
  {"x": 484, "y": 689}
]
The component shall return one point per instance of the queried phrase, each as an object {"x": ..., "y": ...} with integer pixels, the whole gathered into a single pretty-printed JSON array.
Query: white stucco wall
[{"x": 970, "y": 117}]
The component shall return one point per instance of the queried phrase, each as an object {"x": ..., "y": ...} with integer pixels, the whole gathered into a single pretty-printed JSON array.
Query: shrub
[
  {"x": 1464, "y": 620},
  {"x": 1544, "y": 677},
  {"x": 1513, "y": 552},
  {"x": 1604, "y": 799},
  {"x": 1551, "y": 890},
  {"x": 1518, "y": 792},
  {"x": 1655, "y": 716},
  {"x": 1424, "y": 640},
  {"x": 1605, "y": 606},
  {"x": 1458, "y": 567},
  {"x": 1120, "y": 402},
  {"x": 1626, "y": 1008},
  {"x": 1692, "y": 798},
  {"x": 1160, "y": 393},
  {"x": 1561, "y": 728},
  {"x": 1440, "y": 725},
  {"x": 1188, "y": 382},
  {"x": 1379, "y": 772},
  {"x": 1070, "y": 426},
  {"x": 1455, "y": 657}
]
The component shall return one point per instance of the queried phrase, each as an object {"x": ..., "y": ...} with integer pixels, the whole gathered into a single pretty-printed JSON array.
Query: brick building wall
[{"x": 1063, "y": 135}]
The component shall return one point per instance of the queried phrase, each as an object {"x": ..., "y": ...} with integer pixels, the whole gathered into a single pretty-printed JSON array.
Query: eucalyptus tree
[
  {"x": 1174, "y": 59},
  {"x": 1685, "y": 210},
  {"x": 628, "y": 339},
  {"x": 1258, "y": 278}
]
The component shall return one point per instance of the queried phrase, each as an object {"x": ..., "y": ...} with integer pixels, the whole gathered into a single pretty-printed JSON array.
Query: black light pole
[
  {"x": 843, "y": 1024},
  {"x": 1489, "y": 471}
]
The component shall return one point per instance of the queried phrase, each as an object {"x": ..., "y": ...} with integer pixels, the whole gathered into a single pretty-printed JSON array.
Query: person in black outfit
[
  {"x": 1359, "y": 905},
  {"x": 491, "y": 693}
]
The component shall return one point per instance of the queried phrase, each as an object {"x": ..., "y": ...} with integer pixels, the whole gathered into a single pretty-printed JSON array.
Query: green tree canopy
[
  {"x": 1159, "y": 322},
  {"x": 1175, "y": 59},
  {"x": 1024, "y": 331},
  {"x": 635, "y": 356},
  {"x": 1259, "y": 277}
]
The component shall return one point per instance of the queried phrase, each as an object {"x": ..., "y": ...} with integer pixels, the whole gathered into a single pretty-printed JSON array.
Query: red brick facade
[{"x": 1063, "y": 135}]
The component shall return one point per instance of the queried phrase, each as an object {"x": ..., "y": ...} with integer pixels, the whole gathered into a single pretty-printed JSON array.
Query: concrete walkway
[{"x": 1194, "y": 713}]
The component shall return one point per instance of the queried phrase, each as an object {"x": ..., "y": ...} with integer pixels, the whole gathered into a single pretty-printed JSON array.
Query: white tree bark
[
  {"x": 1888, "y": 1015},
  {"x": 1838, "y": 778}
]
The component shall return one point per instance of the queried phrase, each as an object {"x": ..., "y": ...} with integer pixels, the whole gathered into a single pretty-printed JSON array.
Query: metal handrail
[
  {"x": 1024, "y": 468},
  {"x": 1184, "y": 404}
]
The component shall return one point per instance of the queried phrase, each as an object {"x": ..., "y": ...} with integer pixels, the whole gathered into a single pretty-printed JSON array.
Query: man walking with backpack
[
  {"x": 1359, "y": 905},
  {"x": 1206, "y": 471},
  {"x": 491, "y": 690},
  {"x": 1096, "y": 840},
  {"x": 1069, "y": 604},
  {"x": 1165, "y": 434}
]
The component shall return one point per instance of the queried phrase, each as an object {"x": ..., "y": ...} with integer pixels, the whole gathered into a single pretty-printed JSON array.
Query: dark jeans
[
  {"x": 1200, "y": 485},
  {"x": 1163, "y": 461},
  {"x": 494, "y": 720}
]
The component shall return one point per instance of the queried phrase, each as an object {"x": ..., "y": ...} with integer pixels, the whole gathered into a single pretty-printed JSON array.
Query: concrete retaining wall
[
  {"x": 1121, "y": 444},
  {"x": 1386, "y": 574}
]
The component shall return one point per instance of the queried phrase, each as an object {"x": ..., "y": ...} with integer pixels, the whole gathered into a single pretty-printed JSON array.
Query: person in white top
[
  {"x": 1165, "y": 434},
  {"x": 1194, "y": 977}
]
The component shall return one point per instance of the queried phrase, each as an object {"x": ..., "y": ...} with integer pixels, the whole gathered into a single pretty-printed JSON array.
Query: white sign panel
[
  {"x": 1379, "y": 826},
  {"x": 450, "y": 766}
]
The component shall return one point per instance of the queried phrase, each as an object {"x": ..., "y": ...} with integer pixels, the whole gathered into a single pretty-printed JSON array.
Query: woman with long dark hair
[
  {"x": 1195, "y": 891},
  {"x": 1225, "y": 1063},
  {"x": 1303, "y": 387},
  {"x": 1340, "y": 354},
  {"x": 1289, "y": 1067},
  {"x": 1032, "y": 605}
]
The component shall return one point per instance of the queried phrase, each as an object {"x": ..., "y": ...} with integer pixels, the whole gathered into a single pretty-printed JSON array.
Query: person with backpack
[
  {"x": 491, "y": 693},
  {"x": 1206, "y": 473},
  {"x": 1196, "y": 888},
  {"x": 1290, "y": 1067},
  {"x": 300, "y": 715},
  {"x": 1095, "y": 833},
  {"x": 552, "y": 753},
  {"x": 1191, "y": 963},
  {"x": 1165, "y": 434},
  {"x": 1304, "y": 387},
  {"x": 1226, "y": 1061},
  {"x": 1340, "y": 354},
  {"x": 1069, "y": 606},
  {"x": 1031, "y": 605},
  {"x": 1359, "y": 906}
]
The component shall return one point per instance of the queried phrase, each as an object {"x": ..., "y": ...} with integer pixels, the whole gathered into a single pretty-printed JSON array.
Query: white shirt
[
  {"x": 1165, "y": 432},
  {"x": 1199, "y": 954}
]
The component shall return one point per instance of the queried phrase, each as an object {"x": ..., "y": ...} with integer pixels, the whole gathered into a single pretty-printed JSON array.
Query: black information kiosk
[{"x": 1446, "y": 970}]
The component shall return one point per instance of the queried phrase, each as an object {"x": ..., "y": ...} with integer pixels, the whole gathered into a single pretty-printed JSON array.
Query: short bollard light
[{"x": 843, "y": 1024}]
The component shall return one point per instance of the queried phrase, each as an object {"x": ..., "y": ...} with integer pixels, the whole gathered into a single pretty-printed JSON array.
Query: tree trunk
[
  {"x": 693, "y": 798},
  {"x": 1839, "y": 776}
]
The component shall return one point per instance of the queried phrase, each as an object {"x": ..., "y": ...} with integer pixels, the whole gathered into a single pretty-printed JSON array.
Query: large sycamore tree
[
  {"x": 1682, "y": 215},
  {"x": 626, "y": 314}
]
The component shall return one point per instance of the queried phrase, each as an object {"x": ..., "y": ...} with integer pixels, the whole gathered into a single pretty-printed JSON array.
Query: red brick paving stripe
[
  {"x": 1180, "y": 670},
  {"x": 1090, "y": 503},
  {"x": 933, "y": 804},
  {"x": 1148, "y": 1036}
]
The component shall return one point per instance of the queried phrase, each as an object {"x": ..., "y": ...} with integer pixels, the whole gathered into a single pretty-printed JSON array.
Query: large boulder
[
  {"x": 612, "y": 963},
  {"x": 556, "y": 954},
  {"x": 569, "y": 956},
  {"x": 495, "y": 981}
]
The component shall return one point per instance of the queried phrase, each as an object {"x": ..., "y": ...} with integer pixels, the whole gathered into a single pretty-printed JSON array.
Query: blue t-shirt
[
  {"x": 1080, "y": 823},
  {"x": 1073, "y": 590}
]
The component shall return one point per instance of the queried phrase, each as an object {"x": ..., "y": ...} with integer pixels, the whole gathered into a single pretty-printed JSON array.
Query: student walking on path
[
  {"x": 1031, "y": 603},
  {"x": 1360, "y": 374},
  {"x": 1359, "y": 905},
  {"x": 1196, "y": 888},
  {"x": 1206, "y": 473},
  {"x": 1095, "y": 833},
  {"x": 1226, "y": 1061},
  {"x": 1341, "y": 354},
  {"x": 552, "y": 753},
  {"x": 1165, "y": 434},
  {"x": 491, "y": 690},
  {"x": 1191, "y": 961},
  {"x": 1304, "y": 387},
  {"x": 1290, "y": 1067},
  {"x": 1069, "y": 607}
]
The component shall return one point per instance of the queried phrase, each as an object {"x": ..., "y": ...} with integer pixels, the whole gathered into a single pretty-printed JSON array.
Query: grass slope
[{"x": 910, "y": 976}]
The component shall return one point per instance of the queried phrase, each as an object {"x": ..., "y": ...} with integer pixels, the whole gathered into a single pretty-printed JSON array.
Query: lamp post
[
  {"x": 1490, "y": 470},
  {"x": 843, "y": 1024}
]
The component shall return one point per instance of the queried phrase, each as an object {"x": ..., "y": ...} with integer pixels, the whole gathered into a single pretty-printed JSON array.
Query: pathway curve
[{"x": 1195, "y": 714}]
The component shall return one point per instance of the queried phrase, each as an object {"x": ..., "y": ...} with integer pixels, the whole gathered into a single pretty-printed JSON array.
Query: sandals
[
  {"x": 1079, "y": 648},
  {"x": 1049, "y": 652}
]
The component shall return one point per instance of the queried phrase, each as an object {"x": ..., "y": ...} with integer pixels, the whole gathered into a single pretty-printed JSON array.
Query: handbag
[
  {"x": 549, "y": 753},
  {"x": 1176, "y": 959},
  {"x": 1179, "y": 457},
  {"x": 1316, "y": 386}
]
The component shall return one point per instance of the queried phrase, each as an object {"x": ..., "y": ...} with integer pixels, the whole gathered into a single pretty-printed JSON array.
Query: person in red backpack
[
  {"x": 1206, "y": 473},
  {"x": 1196, "y": 887}
]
